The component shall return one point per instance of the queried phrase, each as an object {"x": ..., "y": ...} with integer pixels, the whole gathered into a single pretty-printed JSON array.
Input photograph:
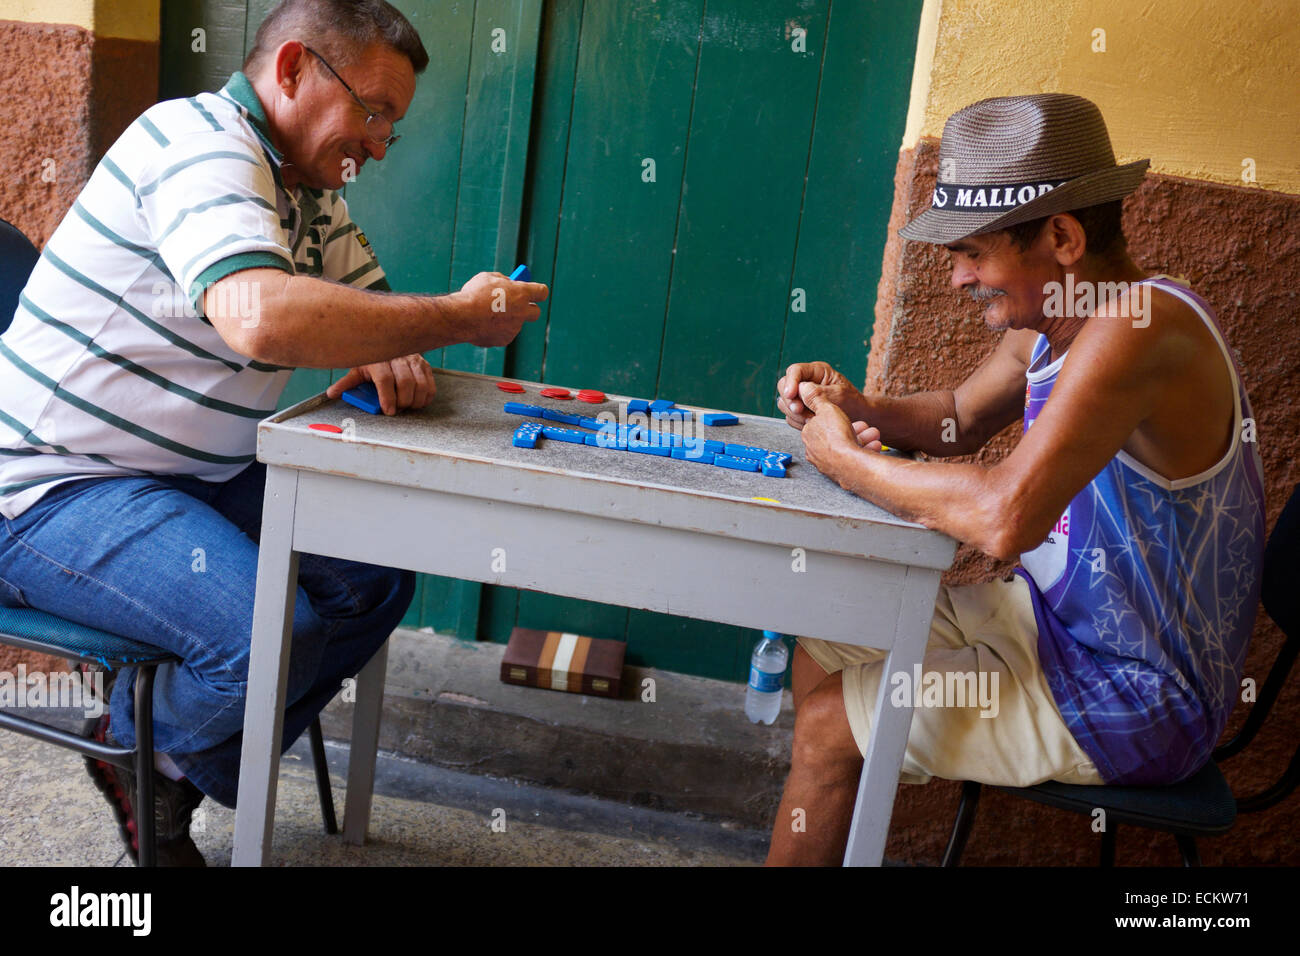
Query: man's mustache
[{"x": 981, "y": 293}]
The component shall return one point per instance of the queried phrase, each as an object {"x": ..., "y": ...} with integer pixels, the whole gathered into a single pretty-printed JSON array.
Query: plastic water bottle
[{"x": 766, "y": 674}]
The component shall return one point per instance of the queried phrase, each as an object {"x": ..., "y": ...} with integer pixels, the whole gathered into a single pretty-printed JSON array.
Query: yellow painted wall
[
  {"x": 1197, "y": 86},
  {"x": 124, "y": 19}
]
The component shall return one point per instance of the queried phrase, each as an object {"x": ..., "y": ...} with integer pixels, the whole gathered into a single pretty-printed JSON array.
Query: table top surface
[{"x": 466, "y": 423}]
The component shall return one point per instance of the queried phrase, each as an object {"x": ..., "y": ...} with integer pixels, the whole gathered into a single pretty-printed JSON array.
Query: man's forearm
[
  {"x": 925, "y": 422},
  {"x": 304, "y": 322},
  {"x": 967, "y": 502}
]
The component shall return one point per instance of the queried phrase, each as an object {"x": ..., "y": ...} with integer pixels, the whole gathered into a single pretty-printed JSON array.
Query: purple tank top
[{"x": 1145, "y": 594}]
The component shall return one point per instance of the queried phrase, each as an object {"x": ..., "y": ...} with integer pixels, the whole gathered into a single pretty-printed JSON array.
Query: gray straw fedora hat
[{"x": 1010, "y": 159}]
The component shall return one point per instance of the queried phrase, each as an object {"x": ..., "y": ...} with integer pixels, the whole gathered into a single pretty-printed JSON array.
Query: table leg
[
  {"x": 268, "y": 671},
  {"x": 365, "y": 746},
  {"x": 879, "y": 781}
]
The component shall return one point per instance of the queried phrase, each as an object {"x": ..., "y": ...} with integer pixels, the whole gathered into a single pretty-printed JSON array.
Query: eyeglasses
[{"x": 378, "y": 127}]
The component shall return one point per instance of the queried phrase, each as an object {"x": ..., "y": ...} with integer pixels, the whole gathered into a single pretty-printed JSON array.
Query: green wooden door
[
  {"x": 752, "y": 240},
  {"x": 705, "y": 184}
]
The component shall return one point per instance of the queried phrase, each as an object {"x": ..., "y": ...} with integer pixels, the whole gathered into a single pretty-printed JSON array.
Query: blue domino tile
[
  {"x": 773, "y": 467},
  {"x": 564, "y": 434},
  {"x": 739, "y": 464},
  {"x": 519, "y": 408},
  {"x": 714, "y": 447},
  {"x": 673, "y": 414},
  {"x": 695, "y": 454},
  {"x": 719, "y": 418},
  {"x": 747, "y": 451},
  {"x": 660, "y": 405},
  {"x": 521, "y": 274},
  {"x": 638, "y": 405},
  {"x": 662, "y": 438},
  {"x": 781, "y": 457},
  {"x": 526, "y": 435},
  {"x": 643, "y": 449},
  {"x": 591, "y": 440},
  {"x": 595, "y": 424},
  {"x": 363, "y": 397},
  {"x": 563, "y": 418}
]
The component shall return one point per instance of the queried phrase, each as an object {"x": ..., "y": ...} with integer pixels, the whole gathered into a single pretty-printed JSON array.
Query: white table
[{"x": 440, "y": 490}]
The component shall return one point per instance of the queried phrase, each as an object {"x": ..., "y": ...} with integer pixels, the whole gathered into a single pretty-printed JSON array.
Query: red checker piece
[
  {"x": 322, "y": 427},
  {"x": 592, "y": 395},
  {"x": 510, "y": 387},
  {"x": 556, "y": 393}
]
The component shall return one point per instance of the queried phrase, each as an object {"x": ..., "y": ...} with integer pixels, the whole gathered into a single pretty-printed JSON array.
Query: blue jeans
[{"x": 172, "y": 561}]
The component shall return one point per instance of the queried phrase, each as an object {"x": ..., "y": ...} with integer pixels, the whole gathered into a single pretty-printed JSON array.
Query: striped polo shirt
[{"x": 109, "y": 367}]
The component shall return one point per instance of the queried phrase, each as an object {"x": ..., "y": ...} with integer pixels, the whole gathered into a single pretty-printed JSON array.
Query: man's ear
[
  {"x": 1068, "y": 242},
  {"x": 290, "y": 66}
]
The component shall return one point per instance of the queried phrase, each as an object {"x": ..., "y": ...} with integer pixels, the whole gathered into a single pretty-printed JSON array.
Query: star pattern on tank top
[{"x": 1143, "y": 651}]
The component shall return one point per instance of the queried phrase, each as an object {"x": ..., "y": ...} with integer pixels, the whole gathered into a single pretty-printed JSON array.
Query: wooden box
[{"x": 560, "y": 661}]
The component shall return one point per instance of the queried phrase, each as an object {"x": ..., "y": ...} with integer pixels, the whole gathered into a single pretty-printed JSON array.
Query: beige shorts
[{"x": 981, "y": 659}]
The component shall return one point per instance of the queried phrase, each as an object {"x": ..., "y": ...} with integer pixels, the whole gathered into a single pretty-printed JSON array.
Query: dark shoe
[{"x": 174, "y": 804}]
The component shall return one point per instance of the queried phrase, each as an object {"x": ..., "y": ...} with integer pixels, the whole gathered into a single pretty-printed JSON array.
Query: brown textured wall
[
  {"x": 65, "y": 96},
  {"x": 123, "y": 84},
  {"x": 44, "y": 116},
  {"x": 1238, "y": 246}
]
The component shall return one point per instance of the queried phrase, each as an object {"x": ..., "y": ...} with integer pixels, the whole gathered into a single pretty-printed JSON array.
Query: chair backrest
[
  {"x": 17, "y": 259},
  {"x": 1281, "y": 584},
  {"x": 1280, "y": 594}
]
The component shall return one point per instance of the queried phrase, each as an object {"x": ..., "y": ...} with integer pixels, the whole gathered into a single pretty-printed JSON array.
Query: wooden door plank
[
  {"x": 860, "y": 117},
  {"x": 748, "y": 154},
  {"x": 498, "y": 116},
  {"x": 631, "y": 105}
]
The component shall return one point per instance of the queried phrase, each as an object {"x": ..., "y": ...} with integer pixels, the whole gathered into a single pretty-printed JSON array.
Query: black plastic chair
[
  {"x": 1203, "y": 805},
  {"x": 38, "y": 631}
]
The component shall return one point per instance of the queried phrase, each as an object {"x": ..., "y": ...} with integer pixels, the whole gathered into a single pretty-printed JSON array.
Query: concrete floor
[{"x": 51, "y": 814}]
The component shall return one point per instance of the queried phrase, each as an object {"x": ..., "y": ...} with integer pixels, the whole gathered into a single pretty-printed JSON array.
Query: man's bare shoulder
[{"x": 1152, "y": 347}]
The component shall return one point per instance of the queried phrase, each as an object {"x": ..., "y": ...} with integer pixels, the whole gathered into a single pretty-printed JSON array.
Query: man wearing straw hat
[{"x": 1134, "y": 503}]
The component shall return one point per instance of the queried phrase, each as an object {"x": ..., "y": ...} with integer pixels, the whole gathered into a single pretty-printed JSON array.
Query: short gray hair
[{"x": 338, "y": 29}]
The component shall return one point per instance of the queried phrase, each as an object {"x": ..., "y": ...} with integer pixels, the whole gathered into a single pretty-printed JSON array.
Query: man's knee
[
  {"x": 349, "y": 589},
  {"x": 822, "y": 735}
]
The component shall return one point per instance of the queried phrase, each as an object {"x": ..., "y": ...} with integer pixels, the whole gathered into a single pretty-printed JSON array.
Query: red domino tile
[
  {"x": 510, "y": 387},
  {"x": 556, "y": 393},
  {"x": 322, "y": 427}
]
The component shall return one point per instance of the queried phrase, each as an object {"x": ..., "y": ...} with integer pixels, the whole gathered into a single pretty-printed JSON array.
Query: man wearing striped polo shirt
[{"x": 207, "y": 257}]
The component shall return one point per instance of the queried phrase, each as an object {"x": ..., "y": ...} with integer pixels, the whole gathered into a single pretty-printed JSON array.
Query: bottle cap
[{"x": 772, "y": 635}]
